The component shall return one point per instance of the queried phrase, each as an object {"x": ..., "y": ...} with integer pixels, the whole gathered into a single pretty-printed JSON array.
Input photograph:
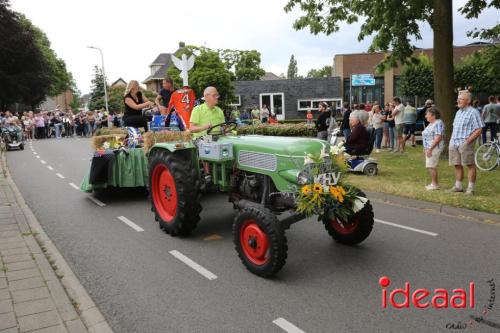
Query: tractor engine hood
[
  {"x": 281, "y": 158},
  {"x": 296, "y": 147}
]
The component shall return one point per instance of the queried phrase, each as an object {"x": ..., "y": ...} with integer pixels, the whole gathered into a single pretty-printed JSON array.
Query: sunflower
[
  {"x": 341, "y": 189},
  {"x": 333, "y": 191},
  {"x": 318, "y": 188},
  {"x": 338, "y": 193},
  {"x": 306, "y": 189}
]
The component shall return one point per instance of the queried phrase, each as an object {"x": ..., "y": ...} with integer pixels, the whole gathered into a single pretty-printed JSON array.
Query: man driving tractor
[{"x": 207, "y": 114}]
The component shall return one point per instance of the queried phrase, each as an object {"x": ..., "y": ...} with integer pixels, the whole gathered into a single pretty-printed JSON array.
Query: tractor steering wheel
[{"x": 227, "y": 127}]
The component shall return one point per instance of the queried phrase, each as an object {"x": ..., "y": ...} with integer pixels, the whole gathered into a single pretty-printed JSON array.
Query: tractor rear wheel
[
  {"x": 260, "y": 241},
  {"x": 354, "y": 231},
  {"x": 174, "y": 191}
]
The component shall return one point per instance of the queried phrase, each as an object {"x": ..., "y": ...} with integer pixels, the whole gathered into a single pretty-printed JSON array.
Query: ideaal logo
[
  {"x": 423, "y": 298},
  {"x": 440, "y": 298}
]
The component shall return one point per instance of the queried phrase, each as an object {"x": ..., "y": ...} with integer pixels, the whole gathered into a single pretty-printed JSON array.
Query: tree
[
  {"x": 292, "y": 72},
  {"x": 416, "y": 79},
  {"x": 29, "y": 68},
  {"x": 96, "y": 101},
  {"x": 480, "y": 71},
  {"x": 248, "y": 66},
  {"x": 394, "y": 24},
  {"x": 208, "y": 70},
  {"x": 115, "y": 99},
  {"x": 243, "y": 65},
  {"x": 22, "y": 65},
  {"x": 326, "y": 71}
]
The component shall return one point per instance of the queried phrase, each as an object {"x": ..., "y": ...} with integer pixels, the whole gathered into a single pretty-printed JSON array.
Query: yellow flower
[
  {"x": 306, "y": 189},
  {"x": 333, "y": 191},
  {"x": 318, "y": 188},
  {"x": 341, "y": 190}
]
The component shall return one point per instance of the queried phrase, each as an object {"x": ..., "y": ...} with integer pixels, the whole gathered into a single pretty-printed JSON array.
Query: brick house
[{"x": 386, "y": 84}]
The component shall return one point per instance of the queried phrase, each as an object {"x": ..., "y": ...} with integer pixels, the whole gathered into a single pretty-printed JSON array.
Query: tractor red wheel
[
  {"x": 259, "y": 240},
  {"x": 356, "y": 229},
  {"x": 254, "y": 242},
  {"x": 345, "y": 228},
  {"x": 164, "y": 193},
  {"x": 174, "y": 190}
]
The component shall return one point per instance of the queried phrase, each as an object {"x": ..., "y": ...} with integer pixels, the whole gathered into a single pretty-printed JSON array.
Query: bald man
[{"x": 207, "y": 114}]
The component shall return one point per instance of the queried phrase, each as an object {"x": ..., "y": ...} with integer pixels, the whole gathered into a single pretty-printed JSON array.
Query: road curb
[
  {"x": 434, "y": 207},
  {"x": 90, "y": 318}
]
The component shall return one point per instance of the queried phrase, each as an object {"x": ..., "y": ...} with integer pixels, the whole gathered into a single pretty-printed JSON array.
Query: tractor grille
[{"x": 258, "y": 160}]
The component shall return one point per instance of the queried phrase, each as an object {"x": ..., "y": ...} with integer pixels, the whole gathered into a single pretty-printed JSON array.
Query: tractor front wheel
[
  {"x": 260, "y": 241},
  {"x": 174, "y": 191},
  {"x": 355, "y": 230}
]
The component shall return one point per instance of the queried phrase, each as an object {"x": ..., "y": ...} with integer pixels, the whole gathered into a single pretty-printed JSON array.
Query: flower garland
[{"x": 328, "y": 200}]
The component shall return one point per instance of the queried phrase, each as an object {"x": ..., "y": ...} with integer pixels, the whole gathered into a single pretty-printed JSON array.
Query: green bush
[{"x": 300, "y": 129}]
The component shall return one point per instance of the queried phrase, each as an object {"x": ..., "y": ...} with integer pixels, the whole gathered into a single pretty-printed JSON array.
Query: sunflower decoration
[
  {"x": 323, "y": 198},
  {"x": 306, "y": 190},
  {"x": 318, "y": 188}
]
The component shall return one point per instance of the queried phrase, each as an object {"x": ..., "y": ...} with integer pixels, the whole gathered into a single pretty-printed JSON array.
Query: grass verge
[{"x": 405, "y": 175}]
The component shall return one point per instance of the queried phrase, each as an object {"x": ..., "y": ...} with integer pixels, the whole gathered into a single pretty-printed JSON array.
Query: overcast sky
[{"x": 132, "y": 33}]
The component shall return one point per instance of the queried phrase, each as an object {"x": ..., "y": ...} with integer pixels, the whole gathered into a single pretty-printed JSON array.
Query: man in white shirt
[{"x": 398, "y": 114}]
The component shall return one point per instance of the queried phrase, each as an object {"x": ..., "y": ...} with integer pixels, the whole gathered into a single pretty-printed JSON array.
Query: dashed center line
[
  {"x": 200, "y": 269},
  {"x": 60, "y": 176},
  {"x": 425, "y": 232},
  {"x": 43, "y": 162},
  {"x": 287, "y": 326},
  {"x": 74, "y": 186},
  {"x": 130, "y": 223},
  {"x": 50, "y": 168},
  {"x": 37, "y": 156},
  {"x": 97, "y": 201}
]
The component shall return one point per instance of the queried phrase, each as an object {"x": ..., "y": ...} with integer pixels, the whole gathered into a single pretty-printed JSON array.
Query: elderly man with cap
[
  {"x": 467, "y": 126},
  {"x": 207, "y": 114}
]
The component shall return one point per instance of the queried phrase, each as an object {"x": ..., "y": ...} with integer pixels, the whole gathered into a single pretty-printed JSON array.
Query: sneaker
[
  {"x": 413, "y": 145},
  {"x": 469, "y": 191},
  {"x": 432, "y": 187},
  {"x": 377, "y": 151},
  {"x": 454, "y": 190}
]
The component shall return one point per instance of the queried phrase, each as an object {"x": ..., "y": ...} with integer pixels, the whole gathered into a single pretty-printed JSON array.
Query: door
[{"x": 275, "y": 102}]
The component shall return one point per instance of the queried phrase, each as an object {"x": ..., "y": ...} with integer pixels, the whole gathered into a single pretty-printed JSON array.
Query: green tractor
[{"x": 260, "y": 174}]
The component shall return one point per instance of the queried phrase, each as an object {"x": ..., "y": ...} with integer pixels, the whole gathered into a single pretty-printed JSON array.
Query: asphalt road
[{"x": 140, "y": 286}]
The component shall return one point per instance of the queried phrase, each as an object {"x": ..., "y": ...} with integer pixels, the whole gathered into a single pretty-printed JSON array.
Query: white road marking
[
  {"x": 37, "y": 156},
  {"x": 96, "y": 201},
  {"x": 130, "y": 223},
  {"x": 60, "y": 176},
  {"x": 50, "y": 168},
  {"x": 43, "y": 162},
  {"x": 74, "y": 186},
  {"x": 203, "y": 271},
  {"x": 287, "y": 326},
  {"x": 407, "y": 228}
]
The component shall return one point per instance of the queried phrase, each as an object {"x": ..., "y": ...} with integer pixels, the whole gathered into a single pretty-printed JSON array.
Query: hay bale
[
  {"x": 151, "y": 138},
  {"x": 111, "y": 131},
  {"x": 98, "y": 141}
]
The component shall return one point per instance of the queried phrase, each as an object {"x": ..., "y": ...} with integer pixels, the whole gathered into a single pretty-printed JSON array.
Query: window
[
  {"x": 275, "y": 102},
  {"x": 154, "y": 69},
  {"x": 236, "y": 101},
  {"x": 313, "y": 103}
]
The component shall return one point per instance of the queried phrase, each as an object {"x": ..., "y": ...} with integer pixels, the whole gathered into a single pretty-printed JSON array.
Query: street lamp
[{"x": 103, "y": 78}]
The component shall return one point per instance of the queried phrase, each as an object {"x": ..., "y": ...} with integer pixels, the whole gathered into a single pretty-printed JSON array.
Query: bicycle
[{"x": 487, "y": 156}]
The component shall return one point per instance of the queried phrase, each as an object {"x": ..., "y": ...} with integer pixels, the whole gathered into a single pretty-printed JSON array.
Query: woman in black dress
[{"x": 135, "y": 101}]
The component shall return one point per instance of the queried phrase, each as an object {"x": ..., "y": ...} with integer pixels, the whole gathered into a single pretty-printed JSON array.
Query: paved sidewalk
[{"x": 33, "y": 297}]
